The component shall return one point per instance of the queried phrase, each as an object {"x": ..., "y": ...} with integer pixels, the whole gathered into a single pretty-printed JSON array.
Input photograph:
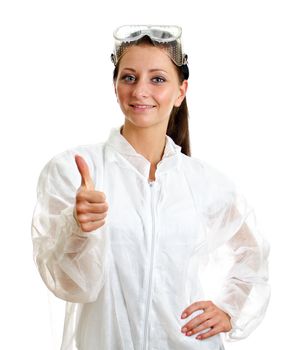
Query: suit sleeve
[
  {"x": 72, "y": 264},
  {"x": 236, "y": 256}
]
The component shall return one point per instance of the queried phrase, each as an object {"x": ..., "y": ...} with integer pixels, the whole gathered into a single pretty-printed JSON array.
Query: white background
[{"x": 56, "y": 92}]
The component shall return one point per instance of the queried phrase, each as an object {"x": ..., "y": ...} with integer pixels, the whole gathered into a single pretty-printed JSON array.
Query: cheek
[
  {"x": 121, "y": 94},
  {"x": 167, "y": 96}
]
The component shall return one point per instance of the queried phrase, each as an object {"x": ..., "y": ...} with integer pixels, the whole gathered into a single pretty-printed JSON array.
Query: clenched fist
[{"x": 90, "y": 206}]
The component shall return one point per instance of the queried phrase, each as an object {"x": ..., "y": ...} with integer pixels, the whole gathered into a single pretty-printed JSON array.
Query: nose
[{"x": 141, "y": 89}]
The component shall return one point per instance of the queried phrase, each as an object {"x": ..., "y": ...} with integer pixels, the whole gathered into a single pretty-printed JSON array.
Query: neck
[{"x": 150, "y": 142}]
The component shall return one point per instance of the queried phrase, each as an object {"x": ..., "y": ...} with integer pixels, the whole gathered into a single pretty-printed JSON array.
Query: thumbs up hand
[{"x": 90, "y": 206}]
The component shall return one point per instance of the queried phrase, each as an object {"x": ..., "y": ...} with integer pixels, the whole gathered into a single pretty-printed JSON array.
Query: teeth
[{"x": 142, "y": 106}]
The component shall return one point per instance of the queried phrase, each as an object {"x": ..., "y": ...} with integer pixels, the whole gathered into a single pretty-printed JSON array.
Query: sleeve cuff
[{"x": 76, "y": 229}]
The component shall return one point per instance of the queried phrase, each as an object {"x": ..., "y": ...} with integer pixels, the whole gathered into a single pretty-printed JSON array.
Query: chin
[{"x": 142, "y": 123}]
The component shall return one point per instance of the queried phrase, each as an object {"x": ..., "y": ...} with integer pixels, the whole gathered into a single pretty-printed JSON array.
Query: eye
[
  {"x": 128, "y": 78},
  {"x": 159, "y": 80}
]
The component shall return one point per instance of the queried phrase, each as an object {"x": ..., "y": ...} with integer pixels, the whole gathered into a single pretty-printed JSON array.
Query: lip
[
  {"x": 139, "y": 106},
  {"x": 142, "y": 109}
]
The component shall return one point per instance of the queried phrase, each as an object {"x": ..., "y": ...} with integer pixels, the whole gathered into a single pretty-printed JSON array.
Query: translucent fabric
[{"x": 185, "y": 237}]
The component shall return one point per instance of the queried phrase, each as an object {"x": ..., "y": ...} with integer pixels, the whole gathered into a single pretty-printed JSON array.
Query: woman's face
[{"x": 147, "y": 86}]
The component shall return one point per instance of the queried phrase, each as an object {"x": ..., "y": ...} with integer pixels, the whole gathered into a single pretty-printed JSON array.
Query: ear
[
  {"x": 114, "y": 84},
  {"x": 115, "y": 88},
  {"x": 182, "y": 93}
]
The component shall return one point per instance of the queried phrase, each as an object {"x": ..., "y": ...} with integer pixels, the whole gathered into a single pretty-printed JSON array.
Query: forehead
[{"x": 146, "y": 56}]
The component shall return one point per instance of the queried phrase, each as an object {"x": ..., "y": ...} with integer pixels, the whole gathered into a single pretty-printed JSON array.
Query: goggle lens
[{"x": 159, "y": 33}]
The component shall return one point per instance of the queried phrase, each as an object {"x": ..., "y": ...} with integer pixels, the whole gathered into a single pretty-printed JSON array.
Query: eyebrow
[{"x": 150, "y": 70}]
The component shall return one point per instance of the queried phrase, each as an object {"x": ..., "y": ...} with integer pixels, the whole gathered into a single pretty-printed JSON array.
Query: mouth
[{"x": 141, "y": 107}]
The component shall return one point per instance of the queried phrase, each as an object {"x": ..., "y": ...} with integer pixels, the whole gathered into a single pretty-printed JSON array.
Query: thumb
[{"x": 83, "y": 169}]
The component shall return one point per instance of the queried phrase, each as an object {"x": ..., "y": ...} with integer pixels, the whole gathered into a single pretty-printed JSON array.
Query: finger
[
  {"x": 198, "y": 305},
  {"x": 83, "y": 169},
  {"x": 84, "y": 218},
  {"x": 210, "y": 333},
  {"x": 91, "y": 196},
  {"x": 95, "y": 208},
  {"x": 197, "y": 321},
  {"x": 91, "y": 226},
  {"x": 207, "y": 325}
]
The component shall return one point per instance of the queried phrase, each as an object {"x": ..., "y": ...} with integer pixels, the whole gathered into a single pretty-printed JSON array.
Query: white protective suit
[{"x": 185, "y": 237}]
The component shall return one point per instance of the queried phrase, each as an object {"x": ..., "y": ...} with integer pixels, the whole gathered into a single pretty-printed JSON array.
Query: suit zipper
[{"x": 149, "y": 294}]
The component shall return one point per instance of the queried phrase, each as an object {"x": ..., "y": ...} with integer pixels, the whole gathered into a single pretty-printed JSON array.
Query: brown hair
[{"x": 178, "y": 126}]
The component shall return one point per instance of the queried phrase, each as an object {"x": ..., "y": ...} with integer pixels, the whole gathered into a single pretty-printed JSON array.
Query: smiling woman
[
  {"x": 141, "y": 88},
  {"x": 129, "y": 258},
  {"x": 147, "y": 88}
]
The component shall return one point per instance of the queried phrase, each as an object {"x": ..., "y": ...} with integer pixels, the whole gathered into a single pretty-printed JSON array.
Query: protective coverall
[{"x": 187, "y": 236}]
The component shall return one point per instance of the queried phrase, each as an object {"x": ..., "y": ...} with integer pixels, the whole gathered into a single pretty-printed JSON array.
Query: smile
[{"x": 141, "y": 107}]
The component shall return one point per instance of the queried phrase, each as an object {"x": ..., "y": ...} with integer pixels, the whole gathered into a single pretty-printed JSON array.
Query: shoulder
[
  {"x": 209, "y": 183},
  {"x": 204, "y": 170},
  {"x": 61, "y": 168},
  {"x": 91, "y": 153}
]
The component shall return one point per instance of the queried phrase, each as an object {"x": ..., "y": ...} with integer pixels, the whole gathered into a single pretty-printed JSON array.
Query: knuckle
[
  {"x": 189, "y": 326},
  {"x": 103, "y": 215},
  {"x": 105, "y": 206},
  {"x": 202, "y": 317},
  {"x": 80, "y": 195},
  {"x": 77, "y": 198},
  {"x": 207, "y": 323},
  {"x": 98, "y": 217},
  {"x": 85, "y": 228},
  {"x": 82, "y": 218},
  {"x": 80, "y": 208},
  {"x": 103, "y": 222},
  {"x": 100, "y": 196}
]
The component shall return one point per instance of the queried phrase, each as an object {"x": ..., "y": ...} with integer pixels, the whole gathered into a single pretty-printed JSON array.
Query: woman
[{"x": 129, "y": 231}]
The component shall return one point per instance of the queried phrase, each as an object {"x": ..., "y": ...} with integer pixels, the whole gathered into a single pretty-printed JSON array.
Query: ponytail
[{"x": 178, "y": 127}]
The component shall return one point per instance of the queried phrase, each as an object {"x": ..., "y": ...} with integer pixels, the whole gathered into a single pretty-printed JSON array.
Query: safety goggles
[{"x": 167, "y": 37}]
